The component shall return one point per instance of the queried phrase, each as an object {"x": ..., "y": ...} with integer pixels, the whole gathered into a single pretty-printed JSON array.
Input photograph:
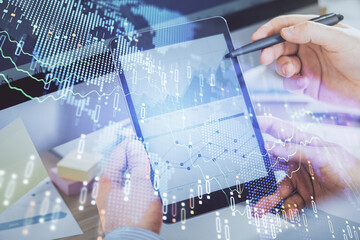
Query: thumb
[
  {"x": 137, "y": 160},
  {"x": 312, "y": 32}
]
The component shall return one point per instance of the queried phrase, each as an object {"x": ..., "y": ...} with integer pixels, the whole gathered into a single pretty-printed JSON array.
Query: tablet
[{"x": 190, "y": 107}]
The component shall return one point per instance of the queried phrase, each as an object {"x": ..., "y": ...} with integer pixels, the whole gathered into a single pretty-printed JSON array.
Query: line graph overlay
[{"x": 219, "y": 147}]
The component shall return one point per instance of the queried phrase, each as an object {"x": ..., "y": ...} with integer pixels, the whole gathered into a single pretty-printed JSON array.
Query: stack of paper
[
  {"x": 67, "y": 186},
  {"x": 79, "y": 167}
]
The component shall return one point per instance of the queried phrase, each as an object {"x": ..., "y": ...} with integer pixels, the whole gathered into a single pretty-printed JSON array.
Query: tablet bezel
[{"x": 227, "y": 196}]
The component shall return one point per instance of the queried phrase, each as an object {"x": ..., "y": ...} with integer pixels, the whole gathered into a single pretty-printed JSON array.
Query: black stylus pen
[{"x": 327, "y": 19}]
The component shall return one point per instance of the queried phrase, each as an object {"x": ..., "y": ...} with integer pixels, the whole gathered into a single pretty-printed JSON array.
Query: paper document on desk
[
  {"x": 30, "y": 206},
  {"x": 265, "y": 85}
]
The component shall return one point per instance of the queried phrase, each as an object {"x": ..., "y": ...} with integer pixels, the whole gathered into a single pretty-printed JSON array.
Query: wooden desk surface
[{"x": 88, "y": 219}]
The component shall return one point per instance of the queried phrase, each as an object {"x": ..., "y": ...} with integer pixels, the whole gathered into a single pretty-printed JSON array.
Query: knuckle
[{"x": 308, "y": 25}]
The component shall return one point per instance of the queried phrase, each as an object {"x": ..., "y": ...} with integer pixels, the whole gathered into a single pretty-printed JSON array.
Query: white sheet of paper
[
  {"x": 40, "y": 214},
  {"x": 21, "y": 168},
  {"x": 30, "y": 206}
]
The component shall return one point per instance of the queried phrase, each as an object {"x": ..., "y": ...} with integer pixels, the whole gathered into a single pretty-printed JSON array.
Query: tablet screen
[{"x": 193, "y": 118}]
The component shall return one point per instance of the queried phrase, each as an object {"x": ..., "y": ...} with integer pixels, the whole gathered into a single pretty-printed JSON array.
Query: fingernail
[
  {"x": 289, "y": 31},
  {"x": 283, "y": 69}
]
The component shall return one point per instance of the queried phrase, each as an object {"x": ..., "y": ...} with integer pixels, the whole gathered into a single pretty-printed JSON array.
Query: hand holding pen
[
  {"x": 327, "y": 19},
  {"x": 320, "y": 61}
]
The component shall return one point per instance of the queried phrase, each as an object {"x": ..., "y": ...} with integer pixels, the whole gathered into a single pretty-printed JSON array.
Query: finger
[
  {"x": 288, "y": 66},
  {"x": 276, "y": 24},
  {"x": 116, "y": 164},
  {"x": 313, "y": 32},
  {"x": 296, "y": 154},
  {"x": 290, "y": 151},
  {"x": 281, "y": 156},
  {"x": 296, "y": 84},
  {"x": 265, "y": 204},
  {"x": 293, "y": 204},
  {"x": 138, "y": 165},
  {"x": 268, "y": 55},
  {"x": 286, "y": 132},
  {"x": 277, "y": 164},
  {"x": 295, "y": 201},
  {"x": 137, "y": 159},
  {"x": 313, "y": 88},
  {"x": 117, "y": 202},
  {"x": 105, "y": 186}
]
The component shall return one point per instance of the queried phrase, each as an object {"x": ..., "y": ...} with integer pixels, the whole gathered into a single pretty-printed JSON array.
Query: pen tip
[
  {"x": 227, "y": 55},
  {"x": 340, "y": 17}
]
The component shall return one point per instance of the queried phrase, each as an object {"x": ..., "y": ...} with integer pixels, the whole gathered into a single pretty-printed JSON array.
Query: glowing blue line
[{"x": 32, "y": 220}]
